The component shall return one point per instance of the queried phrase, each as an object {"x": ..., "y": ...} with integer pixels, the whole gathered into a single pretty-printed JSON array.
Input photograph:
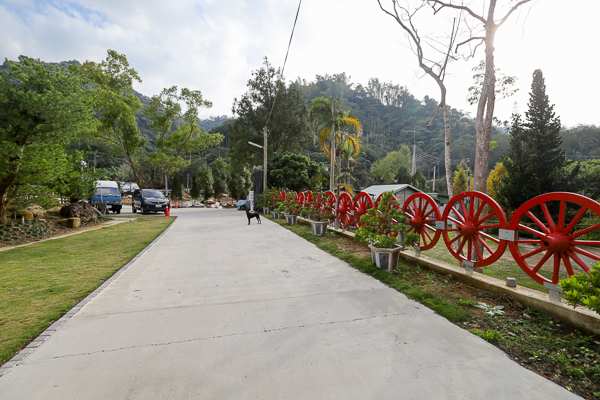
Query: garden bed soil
[{"x": 538, "y": 342}]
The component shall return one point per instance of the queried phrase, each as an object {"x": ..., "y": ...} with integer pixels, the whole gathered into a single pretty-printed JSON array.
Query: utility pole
[
  {"x": 468, "y": 174},
  {"x": 433, "y": 188},
  {"x": 414, "y": 160},
  {"x": 265, "y": 159}
]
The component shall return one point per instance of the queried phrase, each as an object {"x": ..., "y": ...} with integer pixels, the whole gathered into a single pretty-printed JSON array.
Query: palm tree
[{"x": 330, "y": 117}]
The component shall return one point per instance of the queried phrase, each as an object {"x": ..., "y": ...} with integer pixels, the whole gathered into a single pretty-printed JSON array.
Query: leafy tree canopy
[
  {"x": 293, "y": 171},
  {"x": 41, "y": 110},
  {"x": 287, "y": 126}
]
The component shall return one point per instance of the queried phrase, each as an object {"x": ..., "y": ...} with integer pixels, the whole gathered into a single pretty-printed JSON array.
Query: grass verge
[
  {"x": 538, "y": 342},
  {"x": 39, "y": 283}
]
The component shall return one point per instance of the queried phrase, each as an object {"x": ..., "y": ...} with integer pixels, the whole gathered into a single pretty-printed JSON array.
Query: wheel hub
[
  {"x": 467, "y": 229},
  {"x": 416, "y": 222},
  {"x": 556, "y": 242}
]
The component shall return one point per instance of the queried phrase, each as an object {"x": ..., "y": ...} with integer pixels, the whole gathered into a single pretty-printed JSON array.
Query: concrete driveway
[{"x": 217, "y": 309}]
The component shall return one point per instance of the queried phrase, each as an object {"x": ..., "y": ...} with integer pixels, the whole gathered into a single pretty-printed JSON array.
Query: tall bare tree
[
  {"x": 481, "y": 30},
  {"x": 435, "y": 68}
]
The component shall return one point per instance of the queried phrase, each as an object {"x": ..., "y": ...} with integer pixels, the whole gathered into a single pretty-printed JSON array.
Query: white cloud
[{"x": 213, "y": 45}]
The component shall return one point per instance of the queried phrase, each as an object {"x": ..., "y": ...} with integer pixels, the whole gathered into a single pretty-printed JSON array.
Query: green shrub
[{"x": 584, "y": 289}]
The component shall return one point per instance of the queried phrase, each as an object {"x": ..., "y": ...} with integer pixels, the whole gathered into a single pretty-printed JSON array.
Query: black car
[{"x": 149, "y": 200}]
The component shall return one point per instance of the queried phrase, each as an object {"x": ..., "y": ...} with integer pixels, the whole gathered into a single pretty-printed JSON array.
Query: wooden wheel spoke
[
  {"x": 561, "y": 217},
  {"x": 479, "y": 210},
  {"x": 462, "y": 244},
  {"x": 488, "y": 248},
  {"x": 537, "y": 222},
  {"x": 531, "y": 230},
  {"x": 410, "y": 229},
  {"x": 578, "y": 260},
  {"x": 586, "y": 242},
  {"x": 428, "y": 235},
  {"x": 459, "y": 215},
  {"x": 455, "y": 239},
  {"x": 584, "y": 252},
  {"x": 485, "y": 235},
  {"x": 533, "y": 253},
  {"x": 463, "y": 208},
  {"x": 556, "y": 268},
  {"x": 427, "y": 215},
  {"x": 429, "y": 220},
  {"x": 470, "y": 249},
  {"x": 583, "y": 231},
  {"x": 454, "y": 220},
  {"x": 423, "y": 238},
  {"x": 488, "y": 226},
  {"x": 478, "y": 250},
  {"x": 542, "y": 262},
  {"x": 430, "y": 228},
  {"x": 575, "y": 221},
  {"x": 530, "y": 241},
  {"x": 471, "y": 205},
  {"x": 412, "y": 211},
  {"x": 548, "y": 217},
  {"x": 567, "y": 263},
  {"x": 485, "y": 218}
]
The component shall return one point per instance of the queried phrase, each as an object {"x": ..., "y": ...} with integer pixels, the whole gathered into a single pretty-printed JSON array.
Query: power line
[{"x": 284, "y": 61}]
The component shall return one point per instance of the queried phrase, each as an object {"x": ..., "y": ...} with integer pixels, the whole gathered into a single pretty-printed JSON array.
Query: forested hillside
[{"x": 391, "y": 118}]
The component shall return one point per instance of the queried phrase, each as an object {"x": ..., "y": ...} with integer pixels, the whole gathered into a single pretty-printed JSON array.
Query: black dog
[{"x": 252, "y": 214}]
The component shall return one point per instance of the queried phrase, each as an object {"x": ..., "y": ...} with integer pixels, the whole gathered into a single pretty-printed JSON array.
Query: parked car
[
  {"x": 149, "y": 200},
  {"x": 107, "y": 192}
]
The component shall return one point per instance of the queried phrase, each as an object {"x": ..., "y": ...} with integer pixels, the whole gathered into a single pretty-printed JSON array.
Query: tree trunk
[
  {"x": 332, "y": 157},
  {"x": 447, "y": 151},
  {"x": 485, "y": 111}
]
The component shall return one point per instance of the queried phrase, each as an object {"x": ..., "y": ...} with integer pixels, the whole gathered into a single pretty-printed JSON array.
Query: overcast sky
[{"x": 214, "y": 45}]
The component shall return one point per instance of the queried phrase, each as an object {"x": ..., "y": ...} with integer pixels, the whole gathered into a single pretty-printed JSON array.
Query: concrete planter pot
[
  {"x": 386, "y": 259},
  {"x": 276, "y": 214},
  {"x": 266, "y": 210},
  {"x": 319, "y": 228},
  {"x": 291, "y": 219}
]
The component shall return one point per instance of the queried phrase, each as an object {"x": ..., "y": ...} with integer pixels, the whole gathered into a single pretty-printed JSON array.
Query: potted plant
[
  {"x": 291, "y": 215},
  {"x": 280, "y": 206},
  {"x": 320, "y": 214},
  {"x": 380, "y": 228}
]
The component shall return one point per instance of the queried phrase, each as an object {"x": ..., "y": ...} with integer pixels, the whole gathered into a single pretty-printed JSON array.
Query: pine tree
[{"x": 535, "y": 162}]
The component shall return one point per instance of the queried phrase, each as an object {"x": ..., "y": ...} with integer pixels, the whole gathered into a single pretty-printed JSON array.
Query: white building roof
[{"x": 375, "y": 190}]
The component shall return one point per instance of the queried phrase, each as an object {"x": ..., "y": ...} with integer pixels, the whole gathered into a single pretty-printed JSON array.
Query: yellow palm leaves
[{"x": 347, "y": 138}]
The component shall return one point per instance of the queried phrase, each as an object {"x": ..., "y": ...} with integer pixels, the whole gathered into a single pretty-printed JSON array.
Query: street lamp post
[{"x": 264, "y": 159}]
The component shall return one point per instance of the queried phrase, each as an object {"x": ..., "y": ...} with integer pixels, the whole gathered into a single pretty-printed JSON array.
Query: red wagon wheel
[
  {"x": 330, "y": 200},
  {"x": 558, "y": 239},
  {"x": 396, "y": 205},
  {"x": 362, "y": 203},
  {"x": 423, "y": 211},
  {"x": 308, "y": 198},
  {"x": 470, "y": 221},
  {"x": 345, "y": 210}
]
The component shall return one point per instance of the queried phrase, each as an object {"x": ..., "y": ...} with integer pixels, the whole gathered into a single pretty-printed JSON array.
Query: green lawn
[{"x": 41, "y": 282}]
